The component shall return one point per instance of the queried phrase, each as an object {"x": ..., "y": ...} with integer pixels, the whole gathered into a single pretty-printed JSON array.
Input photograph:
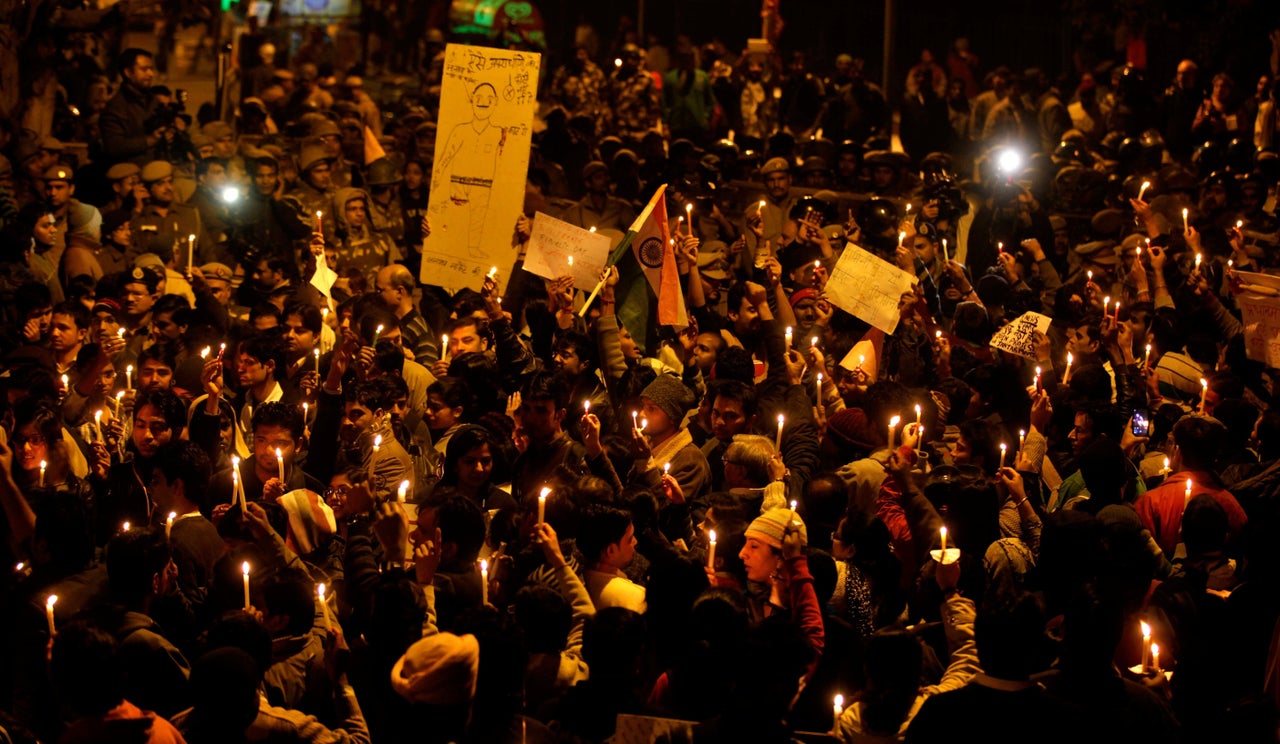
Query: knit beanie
[
  {"x": 852, "y": 428},
  {"x": 439, "y": 669},
  {"x": 670, "y": 395},
  {"x": 768, "y": 527}
]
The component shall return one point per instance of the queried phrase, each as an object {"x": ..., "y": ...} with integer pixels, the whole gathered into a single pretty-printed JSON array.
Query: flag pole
[{"x": 623, "y": 247}]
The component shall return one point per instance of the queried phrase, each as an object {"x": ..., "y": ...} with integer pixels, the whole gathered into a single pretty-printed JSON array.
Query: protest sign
[
  {"x": 553, "y": 242},
  {"x": 1018, "y": 337},
  {"x": 487, "y": 101},
  {"x": 868, "y": 287}
]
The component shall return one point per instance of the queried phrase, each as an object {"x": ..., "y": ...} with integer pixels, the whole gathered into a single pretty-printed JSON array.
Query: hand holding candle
[
  {"x": 893, "y": 431},
  {"x": 944, "y": 555},
  {"x": 484, "y": 581},
  {"x": 777, "y": 443},
  {"x": 280, "y": 466}
]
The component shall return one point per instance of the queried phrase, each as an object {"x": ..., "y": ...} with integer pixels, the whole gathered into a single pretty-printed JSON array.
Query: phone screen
[{"x": 1141, "y": 424}]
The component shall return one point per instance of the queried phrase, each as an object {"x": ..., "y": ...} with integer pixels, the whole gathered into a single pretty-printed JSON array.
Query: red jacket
[{"x": 1160, "y": 509}]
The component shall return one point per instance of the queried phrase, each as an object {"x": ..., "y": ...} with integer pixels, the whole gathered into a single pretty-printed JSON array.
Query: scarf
[{"x": 669, "y": 448}]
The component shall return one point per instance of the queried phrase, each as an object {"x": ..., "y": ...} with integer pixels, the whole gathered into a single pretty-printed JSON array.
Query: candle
[
  {"x": 1185, "y": 226},
  {"x": 999, "y": 247},
  {"x": 943, "y": 532},
  {"x": 1204, "y": 391},
  {"x": 1066, "y": 374},
  {"x": 191, "y": 251},
  {"x": 946, "y": 257},
  {"x": 837, "y": 708},
  {"x": 711, "y": 550},
  {"x": 542, "y": 504},
  {"x": 777, "y": 443},
  {"x": 66, "y": 384},
  {"x": 1117, "y": 315},
  {"x": 324, "y": 607},
  {"x": 237, "y": 488},
  {"x": 666, "y": 468},
  {"x": 760, "y": 207},
  {"x": 404, "y": 490},
  {"x": 1146, "y": 645},
  {"x": 570, "y": 262},
  {"x": 586, "y": 407},
  {"x": 319, "y": 222},
  {"x": 244, "y": 568},
  {"x": 1037, "y": 381},
  {"x": 818, "y": 397},
  {"x": 917, "y": 416},
  {"x": 901, "y": 237},
  {"x": 316, "y": 353},
  {"x": 813, "y": 342},
  {"x": 787, "y": 337},
  {"x": 324, "y": 317},
  {"x": 444, "y": 347},
  {"x": 44, "y": 464},
  {"x": 48, "y": 613},
  {"x": 1089, "y": 274},
  {"x": 1155, "y": 657},
  {"x": 893, "y": 429},
  {"x": 688, "y": 210},
  {"x": 1022, "y": 437},
  {"x": 1166, "y": 467},
  {"x": 793, "y": 504},
  {"x": 376, "y": 332},
  {"x": 204, "y": 353},
  {"x": 280, "y": 465},
  {"x": 1004, "y": 449},
  {"x": 861, "y": 360},
  {"x": 373, "y": 460},
  {"x": 306, "y": 411},
  {"x": 644, "y": 424},
  {"x": 1106, "y": 302},
  {"x": 484, "y": 581},
  {"x": 634, "y": 424},
  {"x": 1146, "y": 360},
  {"x": 1199, "y": 258},
  {"x": 124, "y": 527},
  {"x": 1188, "y": 495},
  {"x": 97, "y": 423},
  {"x": 591, "y": 229},
  {"x": 168, "y": 524},
  {"x": 128, "y": 377},
  {"x": 1145, "y": 185}
]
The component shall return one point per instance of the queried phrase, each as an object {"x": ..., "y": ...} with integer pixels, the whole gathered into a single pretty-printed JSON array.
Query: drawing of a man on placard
[{"x": 468, "y": 164}]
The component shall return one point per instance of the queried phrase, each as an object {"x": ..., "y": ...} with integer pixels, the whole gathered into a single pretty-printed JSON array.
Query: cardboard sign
[
  {"x": 487, "y": 102},
  {"x": 553, "y": 242},
  {"x": 868, "y": 287},
  {"x": 1018, "y": 337}
]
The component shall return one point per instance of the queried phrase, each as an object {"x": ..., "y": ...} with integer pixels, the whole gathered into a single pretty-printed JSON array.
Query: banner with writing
[
  {"x": 487, "y": 102},
  {"x": 868, "y": 287},
  {"x": 1258, "y": 297},
  {"x": 1018, "y": 337},
  {"x": 557, "y": 248}
]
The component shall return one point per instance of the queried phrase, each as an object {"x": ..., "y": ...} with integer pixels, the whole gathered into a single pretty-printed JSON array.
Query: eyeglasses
[
  {"x": 835, "y": 538},
  {"x": 36, "y": 441}
]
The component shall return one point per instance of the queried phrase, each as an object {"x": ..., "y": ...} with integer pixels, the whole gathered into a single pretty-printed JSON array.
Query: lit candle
[
  {"x": 373, "y": 460},
  {"x": 917, "y": 416},
  {"x": 376, "y": 332},
  {"x": 591, "y": 229},
  {"x": 586, "y": 407},
  {"x": 168, "y": 524},
  {"x": 444, "y": 347},
  {"x": 97, "y": 423},
  {"x": 793, "y": 505},
  {"x": 1188, "y": 495},
  {"x": 128, "y": 377},
  {"x": 1199, "y": 259},
  {"x": 1022, "y": 437},
  {"x": 893, "y": 430},
  {"x": 44, "y": 464},
  {"x": 946, "y": 257},
  {"x": 280, "y": 465},
  {"x": 324, "y": 316},
  {"x": 1155, "y": 657},
  {"x": 204, "y": 353},
  {"x": 837, "y": 708},
  {"x": 244, "y": 568},
  {"x": 403, "y": 492},
  {"x": 493, "y": 271},
  {"x": 1004, "y": 449},
  {"x": 48, "y": 613},
  {"x": 1038, "y": 388},
  {"x": 634, "y": 423},
  {"x": 818, "y": 390},
  {"x": 901, "y": 237},
  {"x": 711, "y": 550},
  {"x": 1145, "y": 185},
  {"x": 1166, "y": 467},
  {"x": 319, "y": 221},
  {"x": 124, "y": 527},
  {"x": 1146, "y": 360},
  {"x": 542, "y": 504},
  {"x": 324, "y": 607},
  {"x": 191, "y": 251},
  {"x": 1146, "y": 645},
  {"x": 777, "y": 443},
  {"x": 237, "y": 484},
  {"x": 943, "y": 532},
  {"x": 1089, "y": 274},
  {"x": 688, "y": 210},
  {"x": 813, "y": 342},
  {"x": 570, "y": 262},
  {"x": 644, "y": 424},
  {"x": 1117, "y": 314},
  {"x": 760, "y": 207},
  {"x": 1185, "y": 226},
  {"x": 484, "y": 581},
  {"x": 999, "y": 247},
  {"x": 666, "y": 468},
  {"x": 1204, "y": 391},
  {"x": 1066, "y": 374},
  {"x": 316, "y": 352},
  {"x": 306, "y": 411},
  {"x": 66, "y": 384},
  {"x": 787, "y": 337},
  {"x": 1106, "y": 302}
]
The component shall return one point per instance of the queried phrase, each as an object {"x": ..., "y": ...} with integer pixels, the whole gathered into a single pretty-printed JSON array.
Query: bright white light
[
  {"x": 1009, "y": 160},
  {"x": 230, "y": 195}
]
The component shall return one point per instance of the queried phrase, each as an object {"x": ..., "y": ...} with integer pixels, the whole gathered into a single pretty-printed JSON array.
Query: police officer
[{"x": 164, "y": 227}]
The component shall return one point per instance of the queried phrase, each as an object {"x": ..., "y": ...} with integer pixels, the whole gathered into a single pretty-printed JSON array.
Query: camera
[{"x": 941, "y": 186}]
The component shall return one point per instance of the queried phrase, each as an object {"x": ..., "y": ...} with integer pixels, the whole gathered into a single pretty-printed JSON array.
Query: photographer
[{"x": 124, "y": 119}]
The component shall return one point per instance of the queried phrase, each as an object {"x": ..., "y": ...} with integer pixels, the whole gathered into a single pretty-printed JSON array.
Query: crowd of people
[{"x": 238, "y": 505}]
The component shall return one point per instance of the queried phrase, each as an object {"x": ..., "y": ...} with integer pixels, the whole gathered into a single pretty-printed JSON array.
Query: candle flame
[
  {"x": 320, "y": 591},
  {"x": 1146, "y": 630},
  {"x": 51, "y": 601},
  {"x": 894, "y": 421},
  {"x": 711, "y": 537},
  {"x": 244, "y": 568}
]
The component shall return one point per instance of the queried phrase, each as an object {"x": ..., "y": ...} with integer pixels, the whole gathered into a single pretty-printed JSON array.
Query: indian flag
[{"x": 650, "y": 243}]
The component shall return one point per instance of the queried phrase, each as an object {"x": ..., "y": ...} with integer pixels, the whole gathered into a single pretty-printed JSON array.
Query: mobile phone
[{"x": 1141, "y": 424}]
